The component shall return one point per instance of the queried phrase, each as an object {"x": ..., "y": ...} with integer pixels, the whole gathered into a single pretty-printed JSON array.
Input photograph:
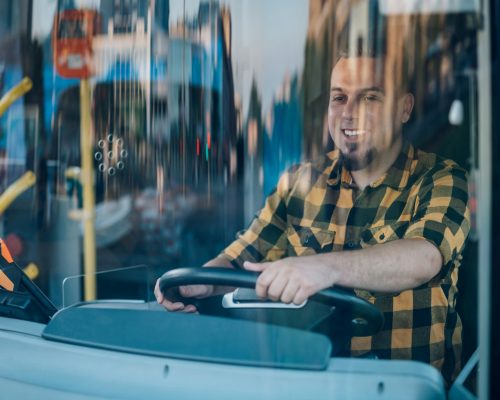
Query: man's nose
[{"x": 350, "y": 110}]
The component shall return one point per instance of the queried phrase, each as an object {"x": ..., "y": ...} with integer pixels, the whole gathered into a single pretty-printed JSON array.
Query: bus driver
[{"x": 377, "y": 215}]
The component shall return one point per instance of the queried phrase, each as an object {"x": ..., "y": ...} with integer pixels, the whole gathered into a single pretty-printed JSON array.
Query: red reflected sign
[{"x": 72, "y": 36}]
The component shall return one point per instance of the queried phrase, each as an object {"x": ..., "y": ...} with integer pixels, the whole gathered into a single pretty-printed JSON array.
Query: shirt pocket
[
  {"x": 383, "y": 234},
  {"x": 304, "y": 240}
]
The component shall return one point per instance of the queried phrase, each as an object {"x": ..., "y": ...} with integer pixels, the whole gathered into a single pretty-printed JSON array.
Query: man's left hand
[{"x": 291, "y": 279}]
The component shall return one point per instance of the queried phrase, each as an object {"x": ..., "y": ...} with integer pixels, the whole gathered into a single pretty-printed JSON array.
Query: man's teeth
[{"x": 350, "y": 132}]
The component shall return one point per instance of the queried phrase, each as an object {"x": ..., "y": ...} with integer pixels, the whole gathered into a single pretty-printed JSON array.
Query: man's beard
[{"x": 355, "y": 163}]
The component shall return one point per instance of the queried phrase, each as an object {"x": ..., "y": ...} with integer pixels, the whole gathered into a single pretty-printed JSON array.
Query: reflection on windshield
[
  {"x": 195, "y": 116},
  {"x": 197, "y": 109},
  {"x": 129, "y": 283}
]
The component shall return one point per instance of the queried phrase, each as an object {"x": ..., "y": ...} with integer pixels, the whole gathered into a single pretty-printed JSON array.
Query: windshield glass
[{"x": 175, "y": 132}]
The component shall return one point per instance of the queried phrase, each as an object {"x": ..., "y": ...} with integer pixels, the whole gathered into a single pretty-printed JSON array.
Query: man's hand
[
  {"x": 292, "y": 279},
  {"x": 196, "y": 291}
]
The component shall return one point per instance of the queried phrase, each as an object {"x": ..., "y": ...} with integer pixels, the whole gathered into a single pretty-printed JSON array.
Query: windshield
[{"x": 182, "y": 130}]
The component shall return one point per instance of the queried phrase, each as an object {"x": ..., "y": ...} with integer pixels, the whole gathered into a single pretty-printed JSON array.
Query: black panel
[
  {"x": 26, "y": 301},
  {"x": 190, "y": 337}
]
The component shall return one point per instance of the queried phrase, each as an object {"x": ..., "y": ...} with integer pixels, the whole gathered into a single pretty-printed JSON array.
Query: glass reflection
[{"x": 197, "y": 108}]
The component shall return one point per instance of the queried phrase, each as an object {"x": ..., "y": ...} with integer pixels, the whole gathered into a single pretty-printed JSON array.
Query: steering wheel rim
[{"x": 366, "y": 318}]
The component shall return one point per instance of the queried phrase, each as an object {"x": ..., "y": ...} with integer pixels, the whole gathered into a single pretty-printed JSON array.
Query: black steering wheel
[{"x": 365, "y": 318}]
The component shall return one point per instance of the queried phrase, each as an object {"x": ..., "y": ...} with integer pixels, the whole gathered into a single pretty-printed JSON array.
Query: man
[{"x": 377, "y": 215}]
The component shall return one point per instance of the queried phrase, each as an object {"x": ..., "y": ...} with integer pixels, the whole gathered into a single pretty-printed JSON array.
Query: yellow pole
[
  {"x": 13, "y": 94},
  {"x": 16, "y": 189},
  {"x": 29, "y": 178},
  {"x": 87, "y": 178}
]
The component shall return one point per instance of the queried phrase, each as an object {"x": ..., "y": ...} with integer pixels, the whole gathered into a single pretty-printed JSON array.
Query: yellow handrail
[
  {"x": 15, "y": 189},
  {"x": 87, "y": 179},
  {"x": 13, "y": 94},
  {"x": 29, "y": 178}
]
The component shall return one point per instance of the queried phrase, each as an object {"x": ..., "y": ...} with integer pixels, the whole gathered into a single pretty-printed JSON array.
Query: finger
[
  {"x": 180, "y": 307},
  {"x": 158, "y": 294},
  {"x": 257, "y": 267},
  {"x": 264, "y": 281},
  {"x": 177, "y": 306},
  {"x": 170, "y": 306},
  {"x": 291, "y": 289},
  {"x": 300, "y": 297},
  {"x": 277, "y": 286},
  {"x": 193, "y": 290}
]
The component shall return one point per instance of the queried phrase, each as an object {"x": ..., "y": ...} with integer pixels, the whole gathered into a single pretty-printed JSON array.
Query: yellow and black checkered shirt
[{"x": 317, "y": 208}]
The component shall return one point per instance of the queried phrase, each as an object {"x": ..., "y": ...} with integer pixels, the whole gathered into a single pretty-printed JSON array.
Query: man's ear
[
  {"x": 406, "y": 106},
  {"x": 407, "y": 103}
]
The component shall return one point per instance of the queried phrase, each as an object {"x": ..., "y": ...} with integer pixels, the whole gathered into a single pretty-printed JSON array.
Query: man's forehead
[{"x": 358, "y": 72}]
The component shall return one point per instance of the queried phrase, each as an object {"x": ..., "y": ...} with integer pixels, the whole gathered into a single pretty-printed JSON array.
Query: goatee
[{"x": 355, "y": 163}]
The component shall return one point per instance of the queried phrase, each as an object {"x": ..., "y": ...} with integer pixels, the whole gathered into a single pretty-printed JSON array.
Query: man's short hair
[{"x": 375, "y": 46}]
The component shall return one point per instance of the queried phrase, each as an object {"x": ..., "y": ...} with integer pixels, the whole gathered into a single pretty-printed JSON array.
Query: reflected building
[
  {"x": 328, "y": 21},
  {"x": 161, "y": 15},
  {"x": 166, "y": 93},
  {"x": 124, "y": 14},
  {"x": 200, "y": 135},
  {"x": 436, "y": 66},
  {"x": 283, "y": 134},
  {"x": 253, "y": 150},
  {"x": 175, "y": 86},
  {"x": 195, "y": 88}
]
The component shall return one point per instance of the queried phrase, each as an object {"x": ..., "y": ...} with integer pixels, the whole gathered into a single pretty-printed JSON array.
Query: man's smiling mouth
[{"x": 354, "y": 132}]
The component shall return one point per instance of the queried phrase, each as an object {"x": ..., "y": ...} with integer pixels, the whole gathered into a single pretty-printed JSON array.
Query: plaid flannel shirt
[{"x": 316, "y": 208}]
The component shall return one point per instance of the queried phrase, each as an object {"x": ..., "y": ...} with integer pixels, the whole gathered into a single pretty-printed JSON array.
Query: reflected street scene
[{"x": 142, "y": 136}]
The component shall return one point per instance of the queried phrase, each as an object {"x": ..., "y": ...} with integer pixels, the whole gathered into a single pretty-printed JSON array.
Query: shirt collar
[
  {"x": 333, "y": 169},
  {"x": 396, "y": 177}
]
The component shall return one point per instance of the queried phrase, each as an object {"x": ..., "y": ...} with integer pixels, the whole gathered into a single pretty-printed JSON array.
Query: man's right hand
[{"x": 195, "y": 291}]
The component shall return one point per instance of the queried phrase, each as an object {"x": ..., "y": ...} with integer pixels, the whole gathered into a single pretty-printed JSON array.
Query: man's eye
[
  {"x": 337, "y": 99},
  {"x": 370, "y": 98}
]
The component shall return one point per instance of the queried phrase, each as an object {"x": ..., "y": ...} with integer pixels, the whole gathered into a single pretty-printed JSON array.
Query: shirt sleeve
[
  {"x": 442, "y": 214},
  {"x": 265, "y": 238}
]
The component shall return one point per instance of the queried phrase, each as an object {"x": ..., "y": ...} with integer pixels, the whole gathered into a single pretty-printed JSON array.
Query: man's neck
[{"x": 378, "y": 167}]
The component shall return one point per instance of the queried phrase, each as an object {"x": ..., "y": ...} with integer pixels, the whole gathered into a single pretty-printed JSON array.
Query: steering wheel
[{"x": 365, "y": 318}]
